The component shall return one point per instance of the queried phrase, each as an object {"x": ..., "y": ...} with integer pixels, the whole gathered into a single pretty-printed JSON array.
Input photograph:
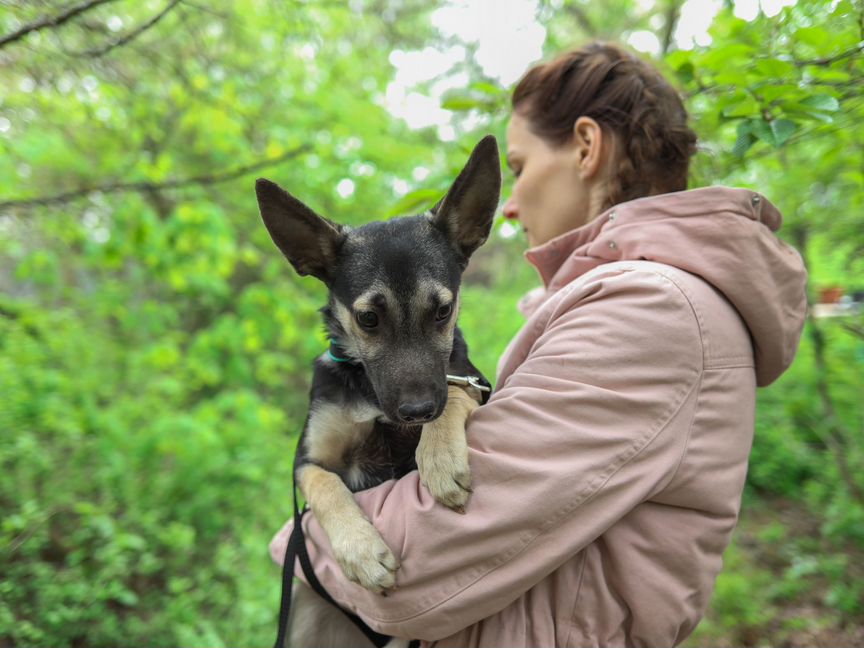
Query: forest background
[{"x": 155, "y": 347}]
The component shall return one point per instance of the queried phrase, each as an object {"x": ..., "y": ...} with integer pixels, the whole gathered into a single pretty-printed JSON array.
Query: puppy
[{"x": 394, "y": 389}]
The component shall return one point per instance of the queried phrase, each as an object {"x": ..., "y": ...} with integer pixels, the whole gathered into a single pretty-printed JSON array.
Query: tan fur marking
[
  {"x": 357, "y": 546},
  {"x": 456, "y": 306},
  {"x": 442, "y": 454},
  {"x": 366, "y": 301},
  {"x": 357, "y": 343},
  {"x": 427, "y": 293},
  {"x": 335, "y": 428}
]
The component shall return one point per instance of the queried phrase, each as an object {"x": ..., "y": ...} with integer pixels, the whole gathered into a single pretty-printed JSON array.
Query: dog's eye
[
  {"x": 444, "y": 312},
  {"x": 367, "y": 319}
]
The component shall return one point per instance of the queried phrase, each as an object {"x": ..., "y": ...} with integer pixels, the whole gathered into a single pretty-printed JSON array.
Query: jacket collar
[
  {"x": 723, "y": 235},
  {"x": 550, "y": 256},
  {"x": 630, "y": 230}
]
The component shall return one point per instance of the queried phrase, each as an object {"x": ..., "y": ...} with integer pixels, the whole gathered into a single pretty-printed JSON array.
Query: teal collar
[{"x": 337, "y": 354}]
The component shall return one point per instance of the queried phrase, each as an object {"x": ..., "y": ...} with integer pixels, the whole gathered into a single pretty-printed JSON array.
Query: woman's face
[{"x": 552, "y": 193}]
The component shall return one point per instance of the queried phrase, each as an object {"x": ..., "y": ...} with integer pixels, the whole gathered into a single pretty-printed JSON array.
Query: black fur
[{"x": 388, "y": 451}]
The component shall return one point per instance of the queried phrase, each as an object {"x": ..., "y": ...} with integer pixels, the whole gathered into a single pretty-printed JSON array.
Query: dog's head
[{"x": 394, "y": 285}]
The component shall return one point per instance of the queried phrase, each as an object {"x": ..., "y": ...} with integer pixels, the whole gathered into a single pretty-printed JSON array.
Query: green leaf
[
  {"x": 762, "y": 129},
  {"x": 686, "y": 72},
  {"x": 745, "y": 107},
  {"x": 720, "y": 57},
  {"x": 800, "y": 109},
  {"x": 822, "y": 102},
  {"x": 814, "y": 36},
  {"x": 774, "y": 68},
  {"x": 785, "y": 91},
  {"x": 678, "y": 58},
  {"x": 414, "y": 201},
  {"x": 460, "y": 102},
  {"x": 487, "y": 88},
  {"x": 127, "y": 598},
  {"x": 782, "y": 129}
]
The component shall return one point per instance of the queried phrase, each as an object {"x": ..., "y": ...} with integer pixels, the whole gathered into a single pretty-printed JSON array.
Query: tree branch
[
  {"x": 857, "y": 331},
  {"x": 831, "y": 59},
  {"x": 51, "y": 21},
  {"x": 132, "y": 35},
  {"x": 673, "y": 13},
  {"x": 120, "y": 187},
  {"x": 582, "y": 19}
]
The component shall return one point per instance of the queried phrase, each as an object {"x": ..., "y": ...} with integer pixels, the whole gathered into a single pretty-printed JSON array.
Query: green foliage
[
  {"x": 123, "y": 488},
  {"x": 771, "y": 89},
  {"x": 154, "y": 345},
  {"x": 782, "y": 580}
]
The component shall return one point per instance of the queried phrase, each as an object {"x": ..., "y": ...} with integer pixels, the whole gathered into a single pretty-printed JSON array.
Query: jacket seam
[
  {"x": 733, "y": 356},
  {"x": 572, "y": 619},
  {"x": 743, "y": 365},
  {"x": 687, "y": 440},
  {"x": 700, "y": 325},
  {"x": 703, "y": 343}
]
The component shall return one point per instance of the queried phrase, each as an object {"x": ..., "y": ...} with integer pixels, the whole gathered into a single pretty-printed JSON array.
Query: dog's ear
[
  {"x": 465, "y": 214},
  {"x": 309, "y": 241}
]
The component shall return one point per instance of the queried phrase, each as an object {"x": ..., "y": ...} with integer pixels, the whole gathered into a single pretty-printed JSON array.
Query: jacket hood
[{"x": 723, "y": 235}]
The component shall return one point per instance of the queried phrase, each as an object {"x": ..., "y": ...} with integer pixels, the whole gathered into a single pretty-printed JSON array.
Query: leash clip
[{"x": 467, "y": 381}]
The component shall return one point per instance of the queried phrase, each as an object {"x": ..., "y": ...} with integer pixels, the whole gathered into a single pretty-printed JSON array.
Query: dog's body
[{"x": 380, "y": 405}]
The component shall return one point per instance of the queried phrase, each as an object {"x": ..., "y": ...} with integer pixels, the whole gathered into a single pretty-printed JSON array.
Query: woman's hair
[{"x": 625, "y": 96}]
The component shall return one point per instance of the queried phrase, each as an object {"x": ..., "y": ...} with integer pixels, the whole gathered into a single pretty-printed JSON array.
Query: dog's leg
[
  {"x": 357, "y": 546},
  {"x": 442, "y": 454}
]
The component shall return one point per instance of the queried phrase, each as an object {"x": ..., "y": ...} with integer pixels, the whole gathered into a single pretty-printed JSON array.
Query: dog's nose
[{"x": 416, "y": 412}]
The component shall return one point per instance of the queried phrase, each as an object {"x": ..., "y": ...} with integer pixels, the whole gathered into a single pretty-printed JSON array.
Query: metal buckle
[{"x": 467, "y": 381}]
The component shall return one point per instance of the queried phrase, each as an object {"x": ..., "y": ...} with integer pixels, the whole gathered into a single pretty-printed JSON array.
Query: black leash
[{"x": 296, "y": 549}]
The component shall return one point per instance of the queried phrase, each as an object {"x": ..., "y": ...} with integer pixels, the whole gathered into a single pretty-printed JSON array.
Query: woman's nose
[{"x": 510, "y": 210}]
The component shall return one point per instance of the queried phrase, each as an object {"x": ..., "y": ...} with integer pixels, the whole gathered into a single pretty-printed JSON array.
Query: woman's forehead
[
  {"x": 518, "y": 134},
  {"x": 522, "y": 140}
]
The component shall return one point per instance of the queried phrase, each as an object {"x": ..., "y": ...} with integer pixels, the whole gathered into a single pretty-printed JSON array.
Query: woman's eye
[
  {"x": 367, "y": 319},
  {"x": 444, "y": 312}
]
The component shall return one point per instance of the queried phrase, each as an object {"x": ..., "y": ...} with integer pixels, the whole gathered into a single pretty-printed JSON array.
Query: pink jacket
[{"x": 609, "y": 463}]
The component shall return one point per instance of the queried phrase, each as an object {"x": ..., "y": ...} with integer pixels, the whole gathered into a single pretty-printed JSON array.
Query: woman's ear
[{"x": 588, "y": 138}]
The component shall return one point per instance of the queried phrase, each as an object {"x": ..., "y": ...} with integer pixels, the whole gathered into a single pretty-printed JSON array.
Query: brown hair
[{"x": 625, "y": 96}]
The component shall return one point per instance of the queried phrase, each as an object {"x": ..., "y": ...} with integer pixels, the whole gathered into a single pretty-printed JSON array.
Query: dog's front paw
[
  {"x": 442, "y": 461},
  {"x": 365, "y": 558}
]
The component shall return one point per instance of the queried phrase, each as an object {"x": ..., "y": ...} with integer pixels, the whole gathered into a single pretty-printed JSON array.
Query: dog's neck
[{"x": 338, "y": 354}]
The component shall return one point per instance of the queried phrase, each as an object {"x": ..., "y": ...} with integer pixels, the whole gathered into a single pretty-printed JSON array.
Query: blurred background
[{"x": 155, "y": 347}]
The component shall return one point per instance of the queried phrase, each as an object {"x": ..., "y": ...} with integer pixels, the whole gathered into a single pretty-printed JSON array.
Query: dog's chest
[{"x": 351, "y": 442}]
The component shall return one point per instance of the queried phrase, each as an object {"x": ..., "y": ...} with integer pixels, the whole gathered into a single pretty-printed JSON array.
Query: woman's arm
[{"x": 591, "y": 424}]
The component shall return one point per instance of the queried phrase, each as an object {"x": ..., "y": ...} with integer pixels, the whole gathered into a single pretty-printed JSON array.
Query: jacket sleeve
[{"x": 591, "y": 423}]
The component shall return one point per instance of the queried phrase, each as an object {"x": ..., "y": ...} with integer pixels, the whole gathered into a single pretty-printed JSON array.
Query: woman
[{"x": 609, "y": 464}]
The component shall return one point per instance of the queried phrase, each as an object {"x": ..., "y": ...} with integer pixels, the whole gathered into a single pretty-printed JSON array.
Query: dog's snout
[{"x": 417, "y": 411}]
